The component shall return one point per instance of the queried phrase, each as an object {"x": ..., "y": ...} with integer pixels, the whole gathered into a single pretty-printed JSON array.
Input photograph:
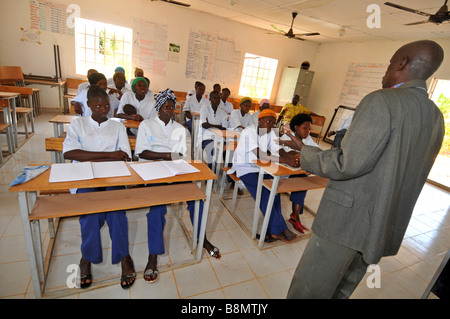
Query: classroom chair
[
  {"x": 70, "y": 91},
  {"x": 317, "y": 123}
]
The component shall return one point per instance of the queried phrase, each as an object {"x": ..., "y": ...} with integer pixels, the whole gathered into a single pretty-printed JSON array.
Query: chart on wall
[
  {"x": 361, "y": 79},
  {"x": 150, "y": 46},
  {"x": 49, "y": 16},
  {"x": 213, "y": 57}
]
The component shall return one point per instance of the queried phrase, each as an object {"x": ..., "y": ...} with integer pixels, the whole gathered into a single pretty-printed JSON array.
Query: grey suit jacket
[{"x": 377, "y": 176}]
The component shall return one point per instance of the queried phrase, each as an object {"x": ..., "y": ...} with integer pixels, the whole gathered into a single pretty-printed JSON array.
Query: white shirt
[
  {"x": 155, "y": 136},
  {"x": 236, "y": 119},
  {"x": 217, "y": 118},
  {"x": 307, "y": 141},
  {"x": 249, "y": 141},
  {"x": 82, "y": 99},
  {"x": 82, "y": 86},
  {"x": 226, "y": 106},
  {"x": 145, "y": 108},
  {"x": 84, "y": 133},
  {"x": 193, "y": 105},
  {"x": 110, "y": 83}
]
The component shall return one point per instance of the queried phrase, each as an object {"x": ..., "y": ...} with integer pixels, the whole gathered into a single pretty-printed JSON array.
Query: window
[
  {"x": 258, "y": 75},
  {"x": 102, "y": 47}
]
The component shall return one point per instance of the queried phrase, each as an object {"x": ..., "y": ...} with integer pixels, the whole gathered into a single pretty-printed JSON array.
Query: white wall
[
  {"x": 38, "y": 59},
  {"x": 332, "y": 62}
]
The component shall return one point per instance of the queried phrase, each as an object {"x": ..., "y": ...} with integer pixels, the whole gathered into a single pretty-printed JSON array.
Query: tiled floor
[{"x": 243, "y": 272}]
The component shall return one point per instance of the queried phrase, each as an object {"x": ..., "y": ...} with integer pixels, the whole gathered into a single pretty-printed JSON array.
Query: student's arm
[
  {"x": 290, "y": 159},
  {"x": 86, "y": 156},
  {"x": 166, "y": 156},
  {"x": 77, "y": 107},
  {"x": 207, "y": 125},
  {"x": 134, "y": 117}
]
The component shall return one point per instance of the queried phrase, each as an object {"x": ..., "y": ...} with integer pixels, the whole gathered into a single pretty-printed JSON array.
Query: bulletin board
[{"x": 213, "y": 57}]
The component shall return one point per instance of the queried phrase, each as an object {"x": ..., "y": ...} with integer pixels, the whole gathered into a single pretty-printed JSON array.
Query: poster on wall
[
  {"x": 149, "y": 46},
  {"x": 49, "y": 16},
  {"x": 213, "y": 57},
  {"x": 174, "y": 52},
  {"x": 361, "y": 79}
]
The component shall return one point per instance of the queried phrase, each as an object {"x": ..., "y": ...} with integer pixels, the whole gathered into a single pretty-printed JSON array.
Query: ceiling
[{"x": 328, "y": 16}]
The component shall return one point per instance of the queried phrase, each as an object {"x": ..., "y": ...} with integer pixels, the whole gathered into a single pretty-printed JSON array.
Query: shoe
[
  {"x": 297, "y": 225},
  {"x": 285, "y": 238},
  {"x": 149, "y": 273},
  {"x": 83, "y": 283},
  {"x": 214, "y": 252},
  {"x": 125, "y": 278}
]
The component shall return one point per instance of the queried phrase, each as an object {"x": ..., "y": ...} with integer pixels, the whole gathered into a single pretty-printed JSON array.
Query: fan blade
[
  {"x": 307, "y": 34},
  {"x": 177, "y": 3},
  {"x": 278, "y": 29},
  {"x": 297, "y": 38},
  {"x": 407, "y": 9},
  {"x": 416, "y": 23}
]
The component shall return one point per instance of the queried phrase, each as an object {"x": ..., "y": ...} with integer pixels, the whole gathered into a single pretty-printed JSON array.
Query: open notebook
[
  {"x": 68, "y": 172},
  {"x": 162, "y": 169}
]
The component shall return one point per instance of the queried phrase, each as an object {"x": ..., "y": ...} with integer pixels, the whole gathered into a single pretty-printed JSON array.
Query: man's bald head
[{"x": 415, "y": 60}]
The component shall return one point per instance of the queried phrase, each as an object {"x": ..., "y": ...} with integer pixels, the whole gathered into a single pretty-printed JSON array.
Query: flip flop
[
  {"x": 83, "y": 283},
  {"x": 125, "y": 278},
  {"x": 215, "y": 252},
  {"x": 149, "y": 273}
]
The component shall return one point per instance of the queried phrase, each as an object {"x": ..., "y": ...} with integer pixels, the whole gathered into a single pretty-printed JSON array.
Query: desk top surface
[
  {"x": 46, "y": 82},
  {"x": 41, "y": 182},
  {"x": 8, "y": 94},
  {"x": 66, "y": 119},
  {"x": 225, "y": 133},
  {"x": 276, "y": 169}
]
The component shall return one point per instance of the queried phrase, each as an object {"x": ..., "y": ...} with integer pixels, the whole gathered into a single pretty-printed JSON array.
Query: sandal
[
  {"x": 297, "y": 225},
  {"x": 83, "y": 283},
  {"x": 149, "y": 274},
  {"x": 215, "y": 252},
  {"x": 284, "y": 238},
  {"x": 124, "y": 280}
]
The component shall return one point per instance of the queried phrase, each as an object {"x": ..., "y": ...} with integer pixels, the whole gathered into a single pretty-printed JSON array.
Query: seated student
[
  {"x": 192, "y": 92},
  {"x": 217, "y": 87},
  {"x": 85, "y": 85},
  {"x": 79, "y": 102},
  {"x": 224, "y": 104},
  {"x": 95, "y": 138},
  {"x": 264, "y": 104},
  {"x": 259, "y": 143},
  {"x": 290, "y": 109},
  {"x": 161, "y": 138},
  {"x": 301, "y": 126},
  {"x": 111, "y": 81},
  {"x": 240, "y": 119},
  {"x": 211, "y": 116},
  {"x": 194, "y": 103},
  {"x": 143, "y": 102},
  {"x": 138, "y": 73}
]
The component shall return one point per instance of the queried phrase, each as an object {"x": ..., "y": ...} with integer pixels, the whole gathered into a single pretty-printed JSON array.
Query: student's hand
[
  {"x": 295, "y": 143},
  {"x": 136, "y": 117},
  {"x": 119, "y": 155}
]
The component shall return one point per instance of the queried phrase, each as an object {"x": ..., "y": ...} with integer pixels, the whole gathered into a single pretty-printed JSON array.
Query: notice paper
[
  {"x": 68, "y": 172},
  {"x": 162, "y": 169}
]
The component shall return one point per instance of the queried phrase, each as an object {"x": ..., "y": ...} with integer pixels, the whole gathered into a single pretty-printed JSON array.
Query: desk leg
[
  {"x": 201, "y": 237},
  {"x": 24, "y": 212},
  {"x": 218, "y": 153},
  {"x": 273, "y": 192},
  {"x": 195, "y": 223},
  {"x": 14, "y": 124},
  {"x": 257, "y": 202}
]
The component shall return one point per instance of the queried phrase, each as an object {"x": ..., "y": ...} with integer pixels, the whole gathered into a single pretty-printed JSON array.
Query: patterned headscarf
[
  {"x": 163, "y": 96},
  {"x": 136, "y": 80}
]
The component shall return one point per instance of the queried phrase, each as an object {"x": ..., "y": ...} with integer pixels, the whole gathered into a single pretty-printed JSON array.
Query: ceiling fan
[
  {"x": 175, "y": 2},
  {"x": 290, "y": 34},
  {"x": 441, "y": 16}
]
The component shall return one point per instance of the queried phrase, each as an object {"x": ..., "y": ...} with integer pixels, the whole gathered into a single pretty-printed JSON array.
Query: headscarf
[
  {"x": 267, "y": 112},
  {"x": 246, "y": 98},
  {"x": 136, "y": 80},
  {"x": 120, "y": 70},
  {"x": 163, "y": 96},
  {"x": 263, "y": 101}
]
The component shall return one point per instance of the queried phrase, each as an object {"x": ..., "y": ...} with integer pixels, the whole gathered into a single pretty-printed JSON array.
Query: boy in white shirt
[
  {"x": 240, "y": 119},
  {"x": 224, "y": 104}
]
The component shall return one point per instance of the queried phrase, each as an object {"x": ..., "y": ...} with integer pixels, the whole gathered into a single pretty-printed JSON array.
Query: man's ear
[{"x": 403, "y": 62}]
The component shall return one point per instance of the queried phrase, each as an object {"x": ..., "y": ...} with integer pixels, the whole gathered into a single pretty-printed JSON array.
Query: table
[
  {"x": 60, "y": 84},
  {"x": 277, "y": 171},
  {"x": 10, "y": 116},
  {"x": 220, "y": 136},
  {"x": 27, "y": 196}
]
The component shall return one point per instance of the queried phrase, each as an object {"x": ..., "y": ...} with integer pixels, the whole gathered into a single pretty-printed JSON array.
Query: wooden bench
[
  {"x": 67, "y": 205},
  {"x": 317, "y": 121},
  {"x": 297, "y": 184}
]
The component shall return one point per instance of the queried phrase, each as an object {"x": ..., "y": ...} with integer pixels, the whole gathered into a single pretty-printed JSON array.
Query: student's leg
[
  {"x": 208, "y": 146},
  {"x": 156, "y": 221},
  {"x": 277, "y": 225},
  {"x": 188, "y": 124},
  {"x": 91, "y": 246}
]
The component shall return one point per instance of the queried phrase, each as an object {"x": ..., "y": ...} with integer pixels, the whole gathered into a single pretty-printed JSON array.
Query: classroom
[{"x": 211, "y": 41}]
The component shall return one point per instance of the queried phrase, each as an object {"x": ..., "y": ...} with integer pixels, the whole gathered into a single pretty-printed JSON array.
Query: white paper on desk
[
  {"x": 68, "y": 172},
  {"x": 162, "y": 169},
  {"x": 110, "y": 169}
]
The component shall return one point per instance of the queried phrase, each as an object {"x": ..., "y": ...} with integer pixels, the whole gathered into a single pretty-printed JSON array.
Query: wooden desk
[
  {"x": 61, "y": 87},
  {"x": 278, "y": 171},
  {"x": 10, "y": 116},
  {"x": 220, "y": 136},
  {"x": 29, "y": 207}
]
